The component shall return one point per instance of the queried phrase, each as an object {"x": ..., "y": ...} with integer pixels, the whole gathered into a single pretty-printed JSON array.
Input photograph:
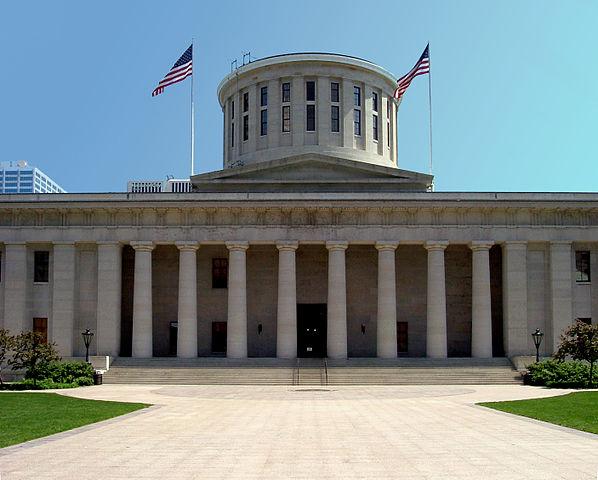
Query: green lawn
[
  {"x": 575, "y": 410},
  {"x": 25, "y": 416}
]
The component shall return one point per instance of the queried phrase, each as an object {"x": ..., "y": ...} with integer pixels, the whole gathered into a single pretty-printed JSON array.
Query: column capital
[
  {"x": 477, "y": 245},
  {"x": 337, "y": 245},
  {"x": 108, "y": 243},
  {"x": 15, "y": 244},
  {"x": 237, "y": 245},
  {"x": 561, "y": 243},
  {"x": 287, "y": 245},
  {"x": 436, "y": 244},
  {"x": 63, "y": 243},
  {"x": 187, "y": 246},
  {"x": 386, "y": 245},
  {"x": 143, "y": 246},
  {"x": 515, "y": 243}
]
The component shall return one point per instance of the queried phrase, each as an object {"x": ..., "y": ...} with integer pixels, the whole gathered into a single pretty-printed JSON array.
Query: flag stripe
[
  {"x": 181, "y": 69},
  {"x": 177, "y": 70},
  {"x": 174, "y": 80},
  {"x": 422, "y": 67},
  {"x": 168, "y": 78}
]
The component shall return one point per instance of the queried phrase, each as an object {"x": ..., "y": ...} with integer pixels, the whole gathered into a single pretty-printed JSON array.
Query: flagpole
[
  {"x": 430, "y": 106},
  {"x": 192, "y": 115}
]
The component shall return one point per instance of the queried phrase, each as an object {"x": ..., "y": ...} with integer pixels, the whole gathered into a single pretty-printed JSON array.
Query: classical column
[
  {"x": 63, "y": 297},
  {"x": 236, "y": 329},
  {"x": 481, "y": 307},
  {"x": 286, "y": 329},
  {"x": 561, "y": 307},
  {"x": 15, "y": 287},
  {"x": 514, "y": 270},
  {"x": 387, "y": 300},
  {"x": 337, "y": 300},
  {"x": 142, "y": 300},
  {"x": 187, "y": 316},
  {"x": 436, "y": 317},
  {"x": 109, "y": 298}
]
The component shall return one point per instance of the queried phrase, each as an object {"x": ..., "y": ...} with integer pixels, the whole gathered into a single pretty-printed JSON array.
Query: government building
[{"x": 310, "y": 242}]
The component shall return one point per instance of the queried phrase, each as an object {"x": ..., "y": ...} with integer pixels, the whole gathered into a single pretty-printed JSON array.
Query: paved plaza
[{"x": 222, "y": 432}]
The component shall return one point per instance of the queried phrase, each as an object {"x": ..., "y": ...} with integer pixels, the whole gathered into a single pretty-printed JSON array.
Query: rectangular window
[
  {"x": 374, "y": 101},
  {"x": 246, "y": 128},
  {"x": 357, "y": 96},
  {"x": 246, "y": 102},
  {"x": 219, "y": 272},
  {"x": 388, "y": 108},
  {"x": 264, "y": 96},
  {"x": 582, "y": 266},
  {"x": 40, "y": 326},
  {"x": 310, "y": 91},
  {"x": 0, "y": 266},
  {"x": 334, "y": 118},
  {"x": 286, "y": 118},
  {"x": 388, "y": 133},
  {"x": 41, "y": 267},
  {"x": 311, "y": 118},
  {"x": 232, "y": 109},
  {"x": 334, "y": 92},
  {"x": 375, "y": 126},
  {"x": 232, "y": 134},
  {"x": 586, "y": 320},
  {"x": 286, "y": 92},
  {"x": 357, "y": 122},
  {"x": 264, "y": 122}
]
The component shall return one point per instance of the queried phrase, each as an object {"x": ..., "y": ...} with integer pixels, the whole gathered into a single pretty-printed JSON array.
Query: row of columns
[
  {"x": 109, "y": 297},
  {"x": 286, "y": 342}
]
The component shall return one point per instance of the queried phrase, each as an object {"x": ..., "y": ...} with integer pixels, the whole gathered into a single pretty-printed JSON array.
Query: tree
[
  {"x": 580, "y": 341},
  {"x": 32, "y": 354},
  {"x": 6, "y": 345}
]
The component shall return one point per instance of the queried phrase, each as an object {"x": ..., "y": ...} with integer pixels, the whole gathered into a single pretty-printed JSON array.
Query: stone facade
[{"x": 322, "y": 242}]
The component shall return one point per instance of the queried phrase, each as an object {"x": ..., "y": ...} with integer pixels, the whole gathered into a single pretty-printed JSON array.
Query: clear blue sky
[{"x": 515, "y": 89}]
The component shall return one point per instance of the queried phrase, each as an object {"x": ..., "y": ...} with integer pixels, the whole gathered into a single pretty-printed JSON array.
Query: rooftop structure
[{"x": 20, "y": 177}]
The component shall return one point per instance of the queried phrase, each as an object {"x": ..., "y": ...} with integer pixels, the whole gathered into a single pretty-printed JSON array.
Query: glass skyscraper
[{"x": 20, "y": 177}]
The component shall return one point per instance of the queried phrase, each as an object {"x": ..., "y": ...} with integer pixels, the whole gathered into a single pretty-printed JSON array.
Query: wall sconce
[
  {"x": 363, "y": 328},
  {"x": 260, "y": 328}
]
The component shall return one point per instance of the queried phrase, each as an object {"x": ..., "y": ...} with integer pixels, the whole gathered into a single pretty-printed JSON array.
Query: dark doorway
[
  {"x": 311, "y": 330},
  {"x": 173, "y": 338},
  {"x": 219, "y": 338},
  {"x": 402, "y": 337}
]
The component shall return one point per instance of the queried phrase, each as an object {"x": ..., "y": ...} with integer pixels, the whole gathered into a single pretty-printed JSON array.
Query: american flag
[
  {"x": 421, "y": 68},
  {"x": 179, "y": 71}
]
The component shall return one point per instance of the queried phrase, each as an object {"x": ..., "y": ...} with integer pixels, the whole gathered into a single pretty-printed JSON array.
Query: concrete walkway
[{"x": 224, "y": 432}]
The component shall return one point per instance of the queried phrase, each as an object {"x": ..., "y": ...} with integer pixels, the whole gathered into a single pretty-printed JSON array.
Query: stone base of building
[{"x": 313, "y": 371}]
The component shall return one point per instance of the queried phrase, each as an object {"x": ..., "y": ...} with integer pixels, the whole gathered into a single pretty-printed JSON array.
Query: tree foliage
[
  {"x": 6, "y": 346},
  {"x": 580, "y": 342},
  {"x": 32, "y": 355}
]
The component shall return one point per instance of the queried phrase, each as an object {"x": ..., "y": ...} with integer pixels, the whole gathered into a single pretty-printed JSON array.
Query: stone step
[{"x": 347, "y": 372}]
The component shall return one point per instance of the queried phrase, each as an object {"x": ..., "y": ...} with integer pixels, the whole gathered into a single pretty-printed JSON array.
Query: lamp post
[
  {"x": 87, "y": 336},
  {"x": 537, "y": 336}
]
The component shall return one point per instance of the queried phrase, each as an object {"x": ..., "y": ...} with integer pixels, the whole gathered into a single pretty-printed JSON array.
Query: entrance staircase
[{"x": 321, "y": 372}]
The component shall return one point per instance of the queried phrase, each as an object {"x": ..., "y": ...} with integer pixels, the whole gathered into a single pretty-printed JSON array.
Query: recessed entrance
[
  {"x": 173, "y": 335},
  {"x": 219, "y": 338},
  {"x": 311, "y": 330}
]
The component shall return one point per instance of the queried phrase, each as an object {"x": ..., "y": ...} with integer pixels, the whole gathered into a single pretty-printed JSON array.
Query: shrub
[
  {"x": 6, "y": 345},
  {"x": 580, "y": 342},
  {"x": 68, "y": 372},
  {"x": 28, "y": 384},
  {"x": 558, "y": 374},
  {"x": 32, "y": 354}
]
